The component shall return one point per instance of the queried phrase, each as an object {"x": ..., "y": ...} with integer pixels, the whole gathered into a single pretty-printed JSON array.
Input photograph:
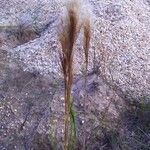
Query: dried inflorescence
[{"x": 71, "y": 26}]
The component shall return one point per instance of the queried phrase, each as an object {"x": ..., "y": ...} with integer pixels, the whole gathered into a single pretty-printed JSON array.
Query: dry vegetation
[{"x": 68, "y": 38}]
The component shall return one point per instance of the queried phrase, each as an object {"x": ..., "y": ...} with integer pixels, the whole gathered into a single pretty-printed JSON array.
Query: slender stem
[
  {"x": 68, "y": 87},
  {"x": 66, "y": 117},
  {"x": 84, "y": 104}
]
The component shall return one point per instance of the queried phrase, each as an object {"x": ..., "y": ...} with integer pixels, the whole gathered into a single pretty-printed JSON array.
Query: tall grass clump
[{"x": 71, "y": 26}]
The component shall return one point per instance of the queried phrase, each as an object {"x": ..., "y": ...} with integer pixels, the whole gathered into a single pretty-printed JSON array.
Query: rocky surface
[
  {"x": 121, "y": 36},
  {"x": 32, "y": 108},
  {"x": 31, "y": 84},
  {"x": 122, "y": 32}
]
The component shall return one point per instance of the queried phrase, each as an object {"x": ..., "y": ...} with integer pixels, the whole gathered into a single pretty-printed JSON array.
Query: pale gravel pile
[{"x": 121, "y": 40}]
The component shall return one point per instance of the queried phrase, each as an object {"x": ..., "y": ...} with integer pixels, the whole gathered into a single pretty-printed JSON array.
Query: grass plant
[{"x": 68, "y": 37}]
